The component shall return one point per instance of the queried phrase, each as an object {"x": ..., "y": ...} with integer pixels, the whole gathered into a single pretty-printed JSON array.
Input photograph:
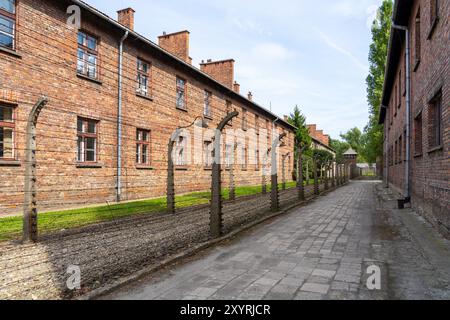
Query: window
[
  {"x": 435, "y": 121},
  {"x": 208, "y": 153},
  {"x": 143, "y": 76},
  {"x": 395, "y": 100},
  {"x": 257, "y": 124},
  {"x": 268, "y": 130},
  {"x": 228, "y": 156},
  {"x": 244, "y": 157},
  {"x": 142, "y": 147},
  {"x": 181, "y": 93},
  {"x": 87, "y": 140},
  {"x": 400, "y": 149},
  {"x": 180, "y": 158},
  {"x": 207, "y": 104},
  {"x": 7, "y": 128},
  {"x": 244, "y": 119},
  {"x": 7, "y": 23},
  {"x": 417, "y": 38},
  {"x": 87, "y": 64},
  {"x": 418, "y": 134},
  {"x": 257, "y": 162}
]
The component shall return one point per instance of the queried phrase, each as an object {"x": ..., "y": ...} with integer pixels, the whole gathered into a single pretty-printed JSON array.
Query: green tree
[
  {"x": 302, "y": 138},
  {"x": 358, "y": 141},
  {"x": 340, "y": 147},
  {"x": 377, "y": 58}
]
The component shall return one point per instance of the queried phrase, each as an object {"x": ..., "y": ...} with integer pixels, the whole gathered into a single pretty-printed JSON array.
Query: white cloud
[
  {"x": 271, "y": 51},
  {"x": 343, "y": 51}
]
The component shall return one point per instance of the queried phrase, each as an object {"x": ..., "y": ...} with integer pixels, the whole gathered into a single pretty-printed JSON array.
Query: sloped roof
[
  {"x": 350, "y": 152},
  {"x": 180, "y": 63}
]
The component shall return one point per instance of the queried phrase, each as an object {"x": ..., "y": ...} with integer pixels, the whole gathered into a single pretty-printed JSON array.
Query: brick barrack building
[
  {"x": 77, "y": 132},
  {"x": 415, "y": 112}
]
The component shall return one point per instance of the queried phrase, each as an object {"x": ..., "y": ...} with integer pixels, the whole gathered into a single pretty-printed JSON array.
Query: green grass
[{"x": 11, "y": 227}]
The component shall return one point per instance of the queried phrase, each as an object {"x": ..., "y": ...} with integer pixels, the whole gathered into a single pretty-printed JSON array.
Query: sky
[{"x": 309, "y": 53}]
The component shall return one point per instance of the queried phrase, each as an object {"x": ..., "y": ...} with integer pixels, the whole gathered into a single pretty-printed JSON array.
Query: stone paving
[{"x": 319, "y": 251}]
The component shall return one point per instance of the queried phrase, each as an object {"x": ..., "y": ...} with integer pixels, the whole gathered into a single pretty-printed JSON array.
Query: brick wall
[
  {"x": 430, "y": 167},
  {"x": 45, "y": 63},
  {"x": 318, "y": 134}
]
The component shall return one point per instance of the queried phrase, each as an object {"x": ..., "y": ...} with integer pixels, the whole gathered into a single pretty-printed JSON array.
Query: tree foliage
[
  {"x": 340, "y": 147},
  {"x": 377, "y": 58},
  {"x": 302, "y": 137}
]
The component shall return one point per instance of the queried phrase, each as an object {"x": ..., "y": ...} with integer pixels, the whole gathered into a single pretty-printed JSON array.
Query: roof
[
  {"x": 180, "y": 63},
  {"x": 322, "y": 144},
  {"x": 350, "y": 152},
  {"x": 400, "y": 16}
]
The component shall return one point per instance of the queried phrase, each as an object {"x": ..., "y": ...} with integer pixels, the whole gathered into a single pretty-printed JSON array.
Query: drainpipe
[
  {"x": 386, "y": 150},
  {"x": 119, "y": 121},
  {"x": 407, "y": 190}
]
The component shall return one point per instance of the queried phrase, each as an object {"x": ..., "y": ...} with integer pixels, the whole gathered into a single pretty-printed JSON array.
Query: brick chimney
[
  {"x": 326, "y": 139},
  {"x": 126, "y": 17},
  {"x": 177, "y": 44},
  {"x": 236, "y": 87},
  {"x": 222, "y": 71},
  {"x": 250, "y": 96}
]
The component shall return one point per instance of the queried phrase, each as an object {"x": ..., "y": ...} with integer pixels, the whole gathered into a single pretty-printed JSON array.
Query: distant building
[{"x": 320, "y": 140}]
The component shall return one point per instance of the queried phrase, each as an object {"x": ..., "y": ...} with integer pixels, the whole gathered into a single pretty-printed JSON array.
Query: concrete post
[
  {"x": 30, "y": 223},
  {"x": 216, "y": 223},
  {"x": 274, "y": 196},
  {"x": 283, "y": 172},
  {"x": 333, "y": 177},
  {"x": 316, "y": 179},
  {"x": 171, "y": 174},
  {"x": 300, "y": 187},
  {"x": 326, "y": 177},
  {"x": 232, "y": 187}
]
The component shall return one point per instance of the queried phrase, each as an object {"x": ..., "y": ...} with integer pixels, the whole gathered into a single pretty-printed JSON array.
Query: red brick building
[
  {"x": 421, "y": 175},
  {"x": 42, "y": 53}
]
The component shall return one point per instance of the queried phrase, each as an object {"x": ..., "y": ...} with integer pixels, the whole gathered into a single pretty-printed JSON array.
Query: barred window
[
  {"x": 143, "y": 147},
  {"x": 87, "y": 64},
  {"x": 7, "y": 132},
  {"x": 228, "y": 156},
  {"x": 208, "y": 153},
  {"x": 8, "y": 23},
  {"x": 244, "y": 119},
  {"x": 87, "y": 140},
  {"x": 418, "y": 46},
  {"x": 143, "y": 77},
  {"x": 435, "y": 121},
  {"x": 418, "y": 134},
  {"x": 207, "y": 104},
  {"x": 181, "y": 93},
  {"x": 180, "y": 158}
]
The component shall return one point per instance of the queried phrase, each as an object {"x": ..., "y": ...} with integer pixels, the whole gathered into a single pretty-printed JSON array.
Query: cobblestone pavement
[{"x": 319, "y": 251}]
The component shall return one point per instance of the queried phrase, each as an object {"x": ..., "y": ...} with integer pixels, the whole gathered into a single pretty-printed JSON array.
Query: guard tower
[{"x": 350, "y": 159}]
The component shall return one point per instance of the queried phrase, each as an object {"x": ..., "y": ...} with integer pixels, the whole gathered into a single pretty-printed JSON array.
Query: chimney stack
[
  {"x": 250, "y": 96},
  {"x": 222, "y": 71},
  {"x": 236, "y": 87},
  {"x": 126, "y": 18},
  {"x": 177, "y": 44}
]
